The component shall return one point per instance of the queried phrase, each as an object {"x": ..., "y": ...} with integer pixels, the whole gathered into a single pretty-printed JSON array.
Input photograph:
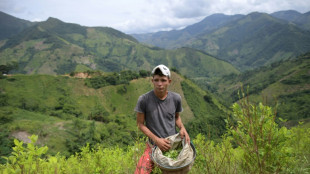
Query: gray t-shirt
[{"x": 160, "y": 114}]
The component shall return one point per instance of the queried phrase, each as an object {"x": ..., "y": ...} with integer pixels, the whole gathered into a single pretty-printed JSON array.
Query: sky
[{"x": 141, "y": 16}]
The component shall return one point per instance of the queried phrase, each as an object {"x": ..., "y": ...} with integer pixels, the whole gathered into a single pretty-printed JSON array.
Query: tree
[
  {"x": 99, "y": 113},
  {"x": 144, "y": 73},
  {"x": 5, "y": 69}
]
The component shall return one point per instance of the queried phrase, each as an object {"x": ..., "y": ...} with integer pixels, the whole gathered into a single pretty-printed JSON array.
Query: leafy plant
[
  {"x": 173, "y": 153},
  {"x": 26, "y": 159},
  {"x": 260, "y": 138}
]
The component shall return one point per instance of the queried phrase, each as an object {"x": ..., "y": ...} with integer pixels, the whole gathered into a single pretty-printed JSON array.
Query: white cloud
[{"x": 136, "y": 16}]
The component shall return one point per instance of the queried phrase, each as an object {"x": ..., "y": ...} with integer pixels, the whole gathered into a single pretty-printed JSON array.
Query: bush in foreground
[{"x": 255, "y": 144}]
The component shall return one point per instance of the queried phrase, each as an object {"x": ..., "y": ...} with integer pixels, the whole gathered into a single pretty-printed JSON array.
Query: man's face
[{"x": 161, "y": 83}]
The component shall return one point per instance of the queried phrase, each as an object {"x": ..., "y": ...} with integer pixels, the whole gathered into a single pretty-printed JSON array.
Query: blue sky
[{"x": 141, "y": 16}]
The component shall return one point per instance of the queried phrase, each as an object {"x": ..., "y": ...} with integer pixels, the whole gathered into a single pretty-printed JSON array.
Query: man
[{"x": 158, "y": 114}]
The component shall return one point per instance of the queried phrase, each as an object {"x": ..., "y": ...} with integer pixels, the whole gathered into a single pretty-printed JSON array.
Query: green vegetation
[
  {"x": 124, "y": 77},
  {"x": 10, "y": 25},
  {"x": 5, "y": 69},
  {"x": 173, "y": 153},
  {"x": 32, "y": 159},
  {"x": 99, "y": 132},
  {"x": 85, "y": 122},
  {"x": 82, "y": 113},
  {"x": 6, "y": 143},
  {"x": 62, "y": 106},
  {"x": 59, "y": 106},
  {"x": 294, "y": 107},
  {"x": 54, "y": 47},
  {"x": 256, "y": 144},
  {"x": 247, "y": 41},
  {"x": 283, "y": 83},
  {"x": 209, "y": 114}
]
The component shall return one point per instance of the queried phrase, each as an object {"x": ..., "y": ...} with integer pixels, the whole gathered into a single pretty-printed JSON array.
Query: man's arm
[
  {"x": 180, "y": 125},
  {"x": 162, "y": 143}
]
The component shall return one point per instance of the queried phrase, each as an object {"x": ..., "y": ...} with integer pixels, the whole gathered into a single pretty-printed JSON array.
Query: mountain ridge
[
  {"x": 208, "y": 24},
  {"x": 56, "y": 47},
  {"x": 10, "y": 25},
  {"x": 225, "y": 41}
]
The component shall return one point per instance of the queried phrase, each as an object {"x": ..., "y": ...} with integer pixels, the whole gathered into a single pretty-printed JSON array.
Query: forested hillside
[
  {"x": 246, "y": 41},
  {"x": 255, "y": 40},
  {"x": 56, "y": 47},
  {"x": 67, "y": 112},
  {"x": 285, "y": 84},
  {"x": 178, "y": 38},
  {"x": 10, "y": 25},
  {"x": 301, "y": 20}
]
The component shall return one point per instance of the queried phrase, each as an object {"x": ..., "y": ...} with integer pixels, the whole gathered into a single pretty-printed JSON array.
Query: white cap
[{"x": 165, "y": 70}]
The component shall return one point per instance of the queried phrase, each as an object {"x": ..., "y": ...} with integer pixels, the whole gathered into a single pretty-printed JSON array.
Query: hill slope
[
  {"x": 61, "y": 106},
  {"x": 177, "y": 38},
  {"x": 301, "y": 20},
  {"x": 55, "y": 47},
  {"x": 10, "y": 26},
  {"x": 284, "y": 83},
  {"x": 255, "y": 40}
]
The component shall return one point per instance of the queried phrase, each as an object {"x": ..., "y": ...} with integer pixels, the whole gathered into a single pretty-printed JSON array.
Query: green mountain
[
  {"x": 67, "y": 114},
  {"x": 249, "y": 41},
  {"x": 10, "y": 26},
  {"x": 288, "y": 15},
  {"x": 255, "y": 40},
  {"x": 285, "y": 84},
  {"x": 301, "y": 20},
  {"x": 304, "y": 21},
  {"x": 55, "y": 47},
  {"x": 177, "y": 38}
]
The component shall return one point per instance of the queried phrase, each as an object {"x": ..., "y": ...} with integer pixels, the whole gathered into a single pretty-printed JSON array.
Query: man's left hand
[{"x": 183, "y": 134}]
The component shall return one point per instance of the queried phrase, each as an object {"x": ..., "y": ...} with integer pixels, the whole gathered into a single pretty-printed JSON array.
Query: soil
[{"x": 22, "y": 136}]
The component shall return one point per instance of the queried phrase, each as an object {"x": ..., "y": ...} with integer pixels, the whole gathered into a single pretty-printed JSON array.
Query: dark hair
[{"x": 158, "y": 72}]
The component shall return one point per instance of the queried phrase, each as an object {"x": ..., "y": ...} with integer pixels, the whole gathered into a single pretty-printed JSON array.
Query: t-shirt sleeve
[
  {"x": 140, "y": 106},
  {"x": 178, "y": 104}
]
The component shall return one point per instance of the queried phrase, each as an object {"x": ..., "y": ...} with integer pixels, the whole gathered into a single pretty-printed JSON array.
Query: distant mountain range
[
  {"x": 246, "y": 41},
  {"x": 56, "y": 47},
  {"x": 294, "y": 17},
  {"x": 10, "y": 25},
  {"x": 178, "y": 38}
]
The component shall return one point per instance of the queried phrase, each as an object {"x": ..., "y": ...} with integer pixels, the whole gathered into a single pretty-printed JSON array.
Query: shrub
[
  {"x": 260, "y": 139},
  {"x": 254, "y": 143},
  {"x": 5, "y": 116},
  {"x": 3, "y": 99}
]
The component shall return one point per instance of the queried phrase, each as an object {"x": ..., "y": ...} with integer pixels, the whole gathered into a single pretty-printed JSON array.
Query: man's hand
[
  {"x": 183, "y": 134},
  {"x": 163, "y": 144}
]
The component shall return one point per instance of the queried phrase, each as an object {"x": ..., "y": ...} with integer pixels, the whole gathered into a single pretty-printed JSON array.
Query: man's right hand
[{"x": 163, "y": 144}]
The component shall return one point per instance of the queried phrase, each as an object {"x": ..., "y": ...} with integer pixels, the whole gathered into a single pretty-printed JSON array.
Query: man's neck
[{"x": 161, "y": 95}]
